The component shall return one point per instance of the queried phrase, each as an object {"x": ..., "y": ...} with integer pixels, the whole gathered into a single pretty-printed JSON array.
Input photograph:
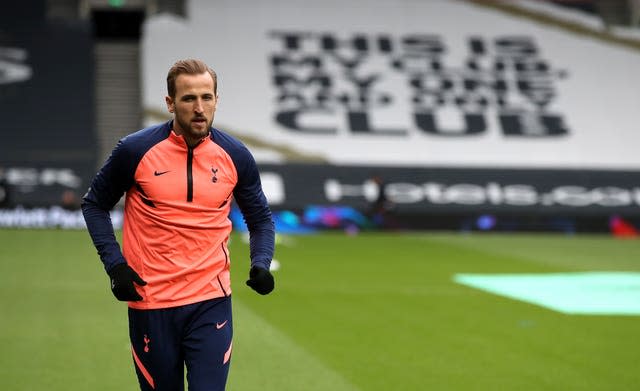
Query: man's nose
[{"x": 198, "y": 108}]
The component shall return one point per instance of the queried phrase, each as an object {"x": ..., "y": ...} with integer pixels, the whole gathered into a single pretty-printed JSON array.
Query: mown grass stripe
[{"x": 265, "y": 358}]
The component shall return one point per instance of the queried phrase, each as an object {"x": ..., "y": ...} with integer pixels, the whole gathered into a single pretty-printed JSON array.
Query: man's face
[{"x": 193, "y": 107}]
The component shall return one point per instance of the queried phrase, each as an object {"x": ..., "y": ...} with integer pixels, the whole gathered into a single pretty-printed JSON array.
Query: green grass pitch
[{"x": 368, "y": 312}]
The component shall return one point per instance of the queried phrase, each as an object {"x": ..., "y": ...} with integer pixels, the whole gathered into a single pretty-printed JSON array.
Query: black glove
[
  {"x": 122, "y": 279},
  {"x": 260, "y": 280}
]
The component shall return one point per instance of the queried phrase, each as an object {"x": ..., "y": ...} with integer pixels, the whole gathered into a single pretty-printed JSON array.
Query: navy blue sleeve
[
  {"x": 113, "y": 180},
  {"x": 251, "y": 200},
  {"x": 107, "y": 187}
]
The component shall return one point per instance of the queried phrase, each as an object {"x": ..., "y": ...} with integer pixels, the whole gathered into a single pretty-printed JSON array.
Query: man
[{"x": 179, "y": 179}]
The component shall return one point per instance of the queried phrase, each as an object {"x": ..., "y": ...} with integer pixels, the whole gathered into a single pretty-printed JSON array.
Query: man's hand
[
  {"x": 122, "y": 279},
  {"x": 260, "y": 280}
]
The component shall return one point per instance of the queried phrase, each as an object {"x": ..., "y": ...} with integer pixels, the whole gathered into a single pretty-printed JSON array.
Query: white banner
[{"x": 407, "y": 83}]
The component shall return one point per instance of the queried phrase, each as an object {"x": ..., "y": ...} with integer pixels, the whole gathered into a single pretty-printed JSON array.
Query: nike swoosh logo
[
  {"x": 156, "y": 173},
  {"x": 220, "y": 325}
]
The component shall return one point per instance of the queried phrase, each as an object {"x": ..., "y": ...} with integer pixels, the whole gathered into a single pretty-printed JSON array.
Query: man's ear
[{"x": 170, "y": 106}]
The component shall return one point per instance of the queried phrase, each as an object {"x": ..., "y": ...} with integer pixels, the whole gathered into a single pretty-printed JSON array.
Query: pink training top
[
  {"x": 176, "y": 224},
  {"x": 188, "y": 261}
]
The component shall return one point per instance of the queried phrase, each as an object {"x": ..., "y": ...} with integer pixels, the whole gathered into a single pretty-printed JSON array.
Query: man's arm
[
  {"x": 257, "y": 215},
  {"x": 108, "y": 186}
]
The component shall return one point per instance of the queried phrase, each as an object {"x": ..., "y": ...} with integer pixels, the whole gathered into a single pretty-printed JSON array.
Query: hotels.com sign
[
  {"x": 491, "y": 193},
  {"x": 442, "y": 190}
]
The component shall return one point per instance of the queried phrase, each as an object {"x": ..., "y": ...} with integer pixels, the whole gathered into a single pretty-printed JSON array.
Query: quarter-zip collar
[{"x": 182, "y": 142}]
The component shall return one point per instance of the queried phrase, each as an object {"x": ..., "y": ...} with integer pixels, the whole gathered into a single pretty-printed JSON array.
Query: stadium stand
[
  {"x": 504, "y": 114},
  {"x": 487, "y": 115}
]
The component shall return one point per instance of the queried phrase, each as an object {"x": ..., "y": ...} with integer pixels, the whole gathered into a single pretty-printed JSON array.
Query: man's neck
[{"x": 191, "y": 141}]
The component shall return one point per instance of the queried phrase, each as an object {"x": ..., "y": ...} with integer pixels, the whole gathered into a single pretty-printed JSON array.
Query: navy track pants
[{"x": 198, "y": 336}]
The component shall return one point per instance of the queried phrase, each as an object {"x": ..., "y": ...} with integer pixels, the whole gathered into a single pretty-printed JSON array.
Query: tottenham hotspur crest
[{"x": 214, "y": 178}]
